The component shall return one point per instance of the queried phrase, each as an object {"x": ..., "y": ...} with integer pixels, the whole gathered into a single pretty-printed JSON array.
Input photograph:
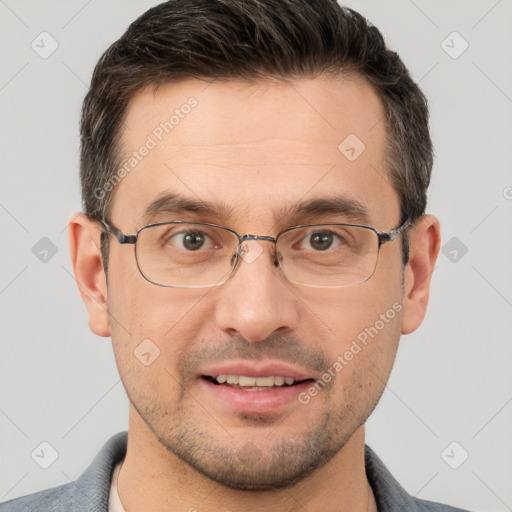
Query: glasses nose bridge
[
  {"x": 245, "y": 238},
  {"x": 248, "y": 237},
  {"x": 257, "y": 238}
]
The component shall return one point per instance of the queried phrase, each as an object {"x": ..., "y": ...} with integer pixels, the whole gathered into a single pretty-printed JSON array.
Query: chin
[{"x": 272, "y": 464}]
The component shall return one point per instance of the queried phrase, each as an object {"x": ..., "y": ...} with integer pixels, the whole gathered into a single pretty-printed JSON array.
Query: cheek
[
  {"x": 360, "y": 333},
  {"x": 148, "y": 340},
  {"x": 155, "y": 325},
  {"x": 365, "y": 362},
  {"x": 345, "y": 314}
]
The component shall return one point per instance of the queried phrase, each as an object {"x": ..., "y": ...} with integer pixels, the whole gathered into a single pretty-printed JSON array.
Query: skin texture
[{"x": 257, "y": 150}]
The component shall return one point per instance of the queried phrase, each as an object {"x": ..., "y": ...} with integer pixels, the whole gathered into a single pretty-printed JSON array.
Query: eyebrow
[
  {"x": 170, "y": 204},
  {"x": 350, "y": 209}
]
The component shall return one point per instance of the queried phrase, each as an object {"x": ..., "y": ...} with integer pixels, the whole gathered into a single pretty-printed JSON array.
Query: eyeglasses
[{"x": 200, "y": 255}]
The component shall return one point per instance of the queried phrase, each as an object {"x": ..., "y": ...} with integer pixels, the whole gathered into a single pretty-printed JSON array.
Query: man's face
[{"x": 254, "y": 153}]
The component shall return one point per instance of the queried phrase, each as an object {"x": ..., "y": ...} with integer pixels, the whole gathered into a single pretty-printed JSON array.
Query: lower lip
[{"x": 256, "y": 402}]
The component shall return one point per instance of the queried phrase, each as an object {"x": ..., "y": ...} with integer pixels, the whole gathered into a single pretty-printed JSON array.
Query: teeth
[
  {"x": 247, "y": 381},
  {"x": 263, "y": 382}
]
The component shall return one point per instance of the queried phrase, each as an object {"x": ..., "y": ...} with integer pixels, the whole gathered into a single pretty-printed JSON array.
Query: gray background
[{"x": 452, "y": 379}]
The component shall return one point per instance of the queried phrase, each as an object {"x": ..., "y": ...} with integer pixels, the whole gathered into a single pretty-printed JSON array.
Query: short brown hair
[{"x": 252, "y": 39}]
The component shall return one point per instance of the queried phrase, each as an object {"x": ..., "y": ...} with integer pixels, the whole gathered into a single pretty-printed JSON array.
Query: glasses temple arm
[
  {"x": 121, "y": 237},
  {"x": 391, "y": 235}
]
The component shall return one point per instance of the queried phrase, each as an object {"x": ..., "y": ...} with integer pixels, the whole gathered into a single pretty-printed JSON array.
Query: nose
[{"x": 257, "y": 300}]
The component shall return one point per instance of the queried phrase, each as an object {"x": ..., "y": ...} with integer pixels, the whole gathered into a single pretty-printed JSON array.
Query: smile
[{"x": 253, "y": 383}]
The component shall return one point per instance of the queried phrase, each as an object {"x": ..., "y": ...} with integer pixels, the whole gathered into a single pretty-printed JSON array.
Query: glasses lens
[
  {"x": 185, "y": 255},
  {"x": 328, "y": 255}
]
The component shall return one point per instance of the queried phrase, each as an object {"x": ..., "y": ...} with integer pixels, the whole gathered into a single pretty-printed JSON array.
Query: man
[{"x": 254, "y": 180}]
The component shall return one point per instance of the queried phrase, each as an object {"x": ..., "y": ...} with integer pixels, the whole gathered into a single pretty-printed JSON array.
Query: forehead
[{"x": 255, "y": 149}]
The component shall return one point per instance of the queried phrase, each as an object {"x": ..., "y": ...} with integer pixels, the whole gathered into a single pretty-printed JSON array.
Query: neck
[{"x": 153, "y": 479}]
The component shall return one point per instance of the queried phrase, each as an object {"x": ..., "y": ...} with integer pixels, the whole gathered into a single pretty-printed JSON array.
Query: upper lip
[{"x": 251, "y": 369}]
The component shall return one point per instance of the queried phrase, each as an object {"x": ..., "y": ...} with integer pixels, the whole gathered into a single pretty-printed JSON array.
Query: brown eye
[
  {"x": 191, "y": 240},
  {"x": 321, "y": 240}
]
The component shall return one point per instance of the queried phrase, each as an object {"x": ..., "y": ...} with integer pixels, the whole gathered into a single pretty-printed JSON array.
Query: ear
[
  {"x": 85, "y": 249},
  {"x": 425, "y": 242}
]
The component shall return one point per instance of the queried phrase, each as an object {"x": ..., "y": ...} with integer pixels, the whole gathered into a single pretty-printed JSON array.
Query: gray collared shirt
[{"x": 90, "y": 492}]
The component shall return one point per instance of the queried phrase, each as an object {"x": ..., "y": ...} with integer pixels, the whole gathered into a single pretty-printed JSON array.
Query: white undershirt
[{"x": 114, "y": 503}]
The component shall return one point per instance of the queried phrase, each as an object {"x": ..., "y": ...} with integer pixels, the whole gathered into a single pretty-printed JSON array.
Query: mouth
[
  {"x": 248, "y": 383},
  {"x": 243, "y": 388}
]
